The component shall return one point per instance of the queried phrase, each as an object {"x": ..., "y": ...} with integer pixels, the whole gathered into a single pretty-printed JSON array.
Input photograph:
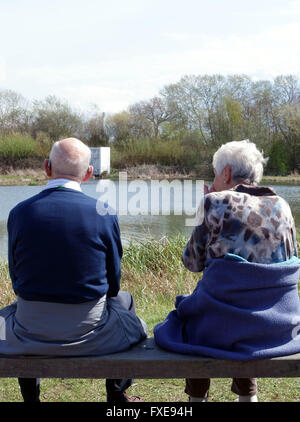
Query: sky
[{"x": 116, "y": 52}]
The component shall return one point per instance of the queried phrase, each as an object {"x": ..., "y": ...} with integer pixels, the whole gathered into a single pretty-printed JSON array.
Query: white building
[{"x": 100, "y": 160}]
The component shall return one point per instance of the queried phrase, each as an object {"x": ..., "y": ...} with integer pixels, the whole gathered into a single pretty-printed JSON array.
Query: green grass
[{"x": 153, "y": 273}]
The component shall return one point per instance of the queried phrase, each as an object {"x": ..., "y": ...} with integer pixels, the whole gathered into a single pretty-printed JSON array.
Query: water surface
[{"x": 136, "y": 227}]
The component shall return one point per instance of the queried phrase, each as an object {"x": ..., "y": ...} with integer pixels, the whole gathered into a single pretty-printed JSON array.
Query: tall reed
[
  {"x": 152, "y": 271},
  {"x": 167, "y": 152},
  {"x": 17, "y": 146}
]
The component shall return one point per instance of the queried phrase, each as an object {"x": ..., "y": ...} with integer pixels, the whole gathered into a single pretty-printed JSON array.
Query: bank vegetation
[{"x": 179, "y": 129}]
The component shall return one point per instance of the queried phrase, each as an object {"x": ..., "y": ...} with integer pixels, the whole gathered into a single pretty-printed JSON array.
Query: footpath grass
[{"x": 153, "y": 273}]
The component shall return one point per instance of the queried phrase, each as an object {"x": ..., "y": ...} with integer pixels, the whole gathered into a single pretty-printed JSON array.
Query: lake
[{"x": 136, "y": 227}]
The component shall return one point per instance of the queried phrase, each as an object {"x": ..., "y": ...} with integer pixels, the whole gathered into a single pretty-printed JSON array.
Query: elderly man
[{"x": 64, "y": 262}]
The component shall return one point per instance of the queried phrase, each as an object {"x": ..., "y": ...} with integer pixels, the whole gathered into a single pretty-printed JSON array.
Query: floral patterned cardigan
[{"x": 252, "y": 222}]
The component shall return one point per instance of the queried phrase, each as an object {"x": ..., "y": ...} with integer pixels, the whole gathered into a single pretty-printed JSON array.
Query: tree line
[{"x": 200, "y": 112}]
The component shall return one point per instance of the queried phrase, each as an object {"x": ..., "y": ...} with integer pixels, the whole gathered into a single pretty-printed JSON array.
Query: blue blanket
[{"x": 239, "y": 310}]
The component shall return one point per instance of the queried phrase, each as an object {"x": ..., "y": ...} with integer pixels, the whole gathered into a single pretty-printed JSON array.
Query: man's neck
[{"x": 63, "y": 183}]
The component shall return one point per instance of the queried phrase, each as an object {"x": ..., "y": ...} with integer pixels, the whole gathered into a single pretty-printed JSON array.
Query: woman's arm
[{"x": 194, "y": 254}]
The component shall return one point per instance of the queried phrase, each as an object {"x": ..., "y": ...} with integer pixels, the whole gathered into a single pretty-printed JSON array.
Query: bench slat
[{"x": 147, "y": 360}]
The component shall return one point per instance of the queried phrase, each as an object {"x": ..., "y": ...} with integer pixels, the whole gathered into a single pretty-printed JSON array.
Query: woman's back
[{"x": 249, "y": 221}]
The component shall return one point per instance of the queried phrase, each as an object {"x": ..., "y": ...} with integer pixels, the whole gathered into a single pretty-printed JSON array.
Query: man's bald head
[{"x": 70, "y": 158}]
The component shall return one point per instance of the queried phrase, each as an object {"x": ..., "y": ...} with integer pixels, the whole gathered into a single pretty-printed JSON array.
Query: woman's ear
[{"x": 227, "y": 175}]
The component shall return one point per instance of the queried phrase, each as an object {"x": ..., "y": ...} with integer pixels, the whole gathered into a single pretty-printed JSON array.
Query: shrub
[
  {"x": 17, "y": 146},
  {"x": 170, "y": 152}
]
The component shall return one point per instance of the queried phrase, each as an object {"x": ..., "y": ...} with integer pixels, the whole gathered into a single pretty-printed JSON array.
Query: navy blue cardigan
[
  {"x": 61, "y": 250},
  {"x": 239, "y": 310}
]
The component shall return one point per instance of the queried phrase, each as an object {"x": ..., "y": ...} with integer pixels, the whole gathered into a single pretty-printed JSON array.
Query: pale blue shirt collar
[{"x": 63, "y": 183}]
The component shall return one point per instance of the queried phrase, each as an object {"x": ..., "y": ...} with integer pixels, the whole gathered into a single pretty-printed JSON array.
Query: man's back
[
  {"x": 64, "y": 262},
  {"x": 62, "y": 250}
]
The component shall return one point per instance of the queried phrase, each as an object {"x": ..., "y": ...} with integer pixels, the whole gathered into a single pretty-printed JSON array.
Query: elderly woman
[{"x": 247, "y": 302}]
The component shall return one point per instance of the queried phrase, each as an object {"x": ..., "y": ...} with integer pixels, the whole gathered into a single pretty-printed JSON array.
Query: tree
[
  {"x": 228, "y": 120},
  {"x": 290, "y": 129},
  {"x": 14, "y": 112},
  {"x": 93, "y": 128},
  {"x": 254, "y": 100},
  {"x": 286, "y": 89},
  {"x": 118, "y": 126},
  {"x": 262, "y": 124},
  {"x": 196, "y": 99},
  {"x": 184, "y": 98},
  {"x": 155, "y": 110},
  {"x": 125, "y": 125},
  {"x": 55, "y": 118}
]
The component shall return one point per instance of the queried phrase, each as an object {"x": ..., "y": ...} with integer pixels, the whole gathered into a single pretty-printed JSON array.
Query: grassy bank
[
  {"x": 292, "y": 179},
  {"x": 153, "y": 272},
  {"x": 25, "y": 177},
  {"x": 36, "y": 175}
]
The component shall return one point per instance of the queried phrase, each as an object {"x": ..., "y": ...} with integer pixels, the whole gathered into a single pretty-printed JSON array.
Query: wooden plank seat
[{"x": 146, "y": 360}]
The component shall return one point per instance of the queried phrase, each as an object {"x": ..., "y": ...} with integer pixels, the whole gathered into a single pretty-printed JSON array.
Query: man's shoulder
[
  {"x": 66, "y": 198},
  {"x": 49, "y": 196},
  {"x": 21, "y": 206}
]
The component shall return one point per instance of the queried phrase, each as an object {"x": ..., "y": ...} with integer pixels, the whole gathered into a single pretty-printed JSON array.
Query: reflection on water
[
  {"x": 132, "y": 227},
  {"x": 141, "y": 227}
]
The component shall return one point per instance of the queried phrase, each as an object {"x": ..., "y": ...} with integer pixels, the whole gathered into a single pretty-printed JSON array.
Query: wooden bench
[{"x": 147, "y": 360}]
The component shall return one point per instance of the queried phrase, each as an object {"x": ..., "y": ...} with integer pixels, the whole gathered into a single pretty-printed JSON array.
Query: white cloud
[
  {"x": 112, "y": 84},
  {"x": 2, "y": 70},
  {"x": 177, "y": 36},
  {"x": 116, "y": 83},
  {"x": 285, "y": 35},
  {"x": 109, "y": 99},
  {"x": 292, "y": 8}
]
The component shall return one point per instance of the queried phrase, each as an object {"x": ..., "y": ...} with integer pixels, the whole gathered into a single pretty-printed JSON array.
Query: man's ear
[
  {"x": 88, "y": 174},
  {"x": 47, "y": 167}
]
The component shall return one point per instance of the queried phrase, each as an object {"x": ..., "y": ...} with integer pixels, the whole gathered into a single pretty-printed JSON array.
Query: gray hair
[
  {"x": 243, "y": 157},
  {"x": 70, "y": 157}
]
